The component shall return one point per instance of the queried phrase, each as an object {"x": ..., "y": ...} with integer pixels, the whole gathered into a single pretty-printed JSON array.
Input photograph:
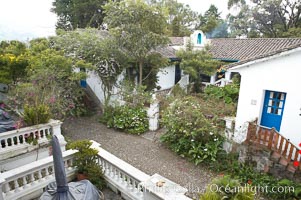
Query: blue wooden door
[{"x": 273, "y": 109}]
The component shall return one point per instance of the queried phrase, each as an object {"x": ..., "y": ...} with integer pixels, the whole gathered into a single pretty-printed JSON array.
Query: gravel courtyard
[{"x": 144, "y": 152}]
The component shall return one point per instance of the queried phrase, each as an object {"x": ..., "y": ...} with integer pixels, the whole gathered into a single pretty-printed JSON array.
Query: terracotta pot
[{"x": 81, "y": 176}]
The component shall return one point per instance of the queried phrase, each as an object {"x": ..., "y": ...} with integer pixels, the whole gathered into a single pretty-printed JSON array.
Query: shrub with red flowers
[{"x": 52, "y": 84}]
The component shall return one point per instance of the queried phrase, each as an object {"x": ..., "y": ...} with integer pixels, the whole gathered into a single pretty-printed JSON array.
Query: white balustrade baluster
[
  {"x": 25, "y": 185},
  {"x": 70, "y": 164},
  {"x": 32, "y": 179},
  {"x": 106, "y": 168},
  {"x": 47, "y": 175},
  {"x": 6, "y": 187},
  {"x": 129, "y": 181},
  {"x": 135, "y": 185},
  {"x": 124, "y": 179},
  {"x": 17, "y": 186},
  {"x": 40, "y": 175},
  {"x": 138, "y": 191}
]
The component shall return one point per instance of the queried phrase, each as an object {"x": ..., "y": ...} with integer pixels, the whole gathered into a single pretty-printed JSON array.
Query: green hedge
[{"x": 126, "y": 118}]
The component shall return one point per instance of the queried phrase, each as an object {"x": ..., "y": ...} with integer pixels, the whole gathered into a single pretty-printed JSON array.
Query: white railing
[
  {"x": 16, "y": 142},
  {"x": 120, "y": 175},
  {"x": 132, "y": 183},
  {"x": 28, "y": 181}
]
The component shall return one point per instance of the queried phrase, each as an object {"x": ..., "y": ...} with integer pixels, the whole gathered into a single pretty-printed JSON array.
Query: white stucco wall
[
  {"x": 95, "y": 84},
  {"x": 166, "y": 77},
  {"x": 282, "y": 74}
]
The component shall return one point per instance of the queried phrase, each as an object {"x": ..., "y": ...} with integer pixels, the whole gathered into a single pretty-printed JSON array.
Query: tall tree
[
  {"x": 267, "y": 18},
  {"x": 74, "y": 14},
  {"x": 197, "y": 62},
  {"x": 275, "y": 17},
  {"x": 242, "y": 23},
  {"x": 13, "y": 61},
  {"x": 180, "y": 17},
  {"x": 212, "y": 24},
  {"x": 139, "y": 29}
]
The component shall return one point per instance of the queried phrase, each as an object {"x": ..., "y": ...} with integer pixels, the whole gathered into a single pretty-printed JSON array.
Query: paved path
[{"x": 143, "y": 152}]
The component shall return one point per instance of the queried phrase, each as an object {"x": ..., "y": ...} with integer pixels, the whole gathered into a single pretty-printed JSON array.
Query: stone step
[
  {"x": 291, "y": 168},
  {"x": 283, "y": 161},
  {"x": 275, "y": 156}
]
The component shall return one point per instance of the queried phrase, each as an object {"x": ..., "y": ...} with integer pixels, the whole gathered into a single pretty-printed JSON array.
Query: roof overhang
[{"x": 238, "y": 66}]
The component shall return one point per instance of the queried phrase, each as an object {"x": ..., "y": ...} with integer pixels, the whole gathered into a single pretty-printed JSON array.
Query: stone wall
[{"x": 267, "y": 161}]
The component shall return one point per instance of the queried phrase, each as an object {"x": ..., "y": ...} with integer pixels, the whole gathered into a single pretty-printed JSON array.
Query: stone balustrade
[
  {"x": 132, "y": 183},
  {"x": 23, "y": 140},
  {"x": 28, "y": 181}
]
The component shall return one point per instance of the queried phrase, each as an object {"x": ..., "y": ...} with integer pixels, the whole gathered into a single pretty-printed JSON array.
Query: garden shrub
[
  {"x": 132, "y": 120},
  {"x": 228, "y": 188},
  {"x": 37, "y": 114},
  {"x": 229, "y": 93},
  {"x": 189, "y": 133},
  {"x": 246, "y": 174}
]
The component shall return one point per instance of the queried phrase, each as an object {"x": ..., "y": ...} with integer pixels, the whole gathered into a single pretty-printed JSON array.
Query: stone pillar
[
  {"x": 158, "y": 187},
  {"x": 56, "y": 130},
  {"x": 213, "y": 79},
  {"x": 1, "y": 191},
  {"x": 153, "y": 114}
]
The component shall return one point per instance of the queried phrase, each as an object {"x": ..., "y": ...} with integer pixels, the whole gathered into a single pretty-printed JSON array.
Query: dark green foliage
[
  {"x": 195, "y": 63},
  {"x": 225, "y": 187},
  {"x": 138, "y": 28},
  {"x": 212, "y": 24},
  {"x": 180, "y": 17},
  {"x": 86, "y": 161},
  {"x": 50, "y": 80},
  {"x": 265, "y": 18},
  {"x": 132, "y": 120},
  {"x": 74, "y": 14},
  {"x": 189, "y": 132},
  {"x": 36, "y": 114},
  {"x": 229, "y": 93},
  {"x": 226, "y": 163},
  {"x": 13, "y": 61},
  {"x": 245, "y": 173}
]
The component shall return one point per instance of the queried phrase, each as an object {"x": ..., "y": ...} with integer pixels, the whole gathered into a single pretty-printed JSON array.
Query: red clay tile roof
[
  {"x": 242, "y": 50},
  {"x": 246, "y": 50},
  {"x": 176, "y": 41},
  {"x": 167, "y": 52}
]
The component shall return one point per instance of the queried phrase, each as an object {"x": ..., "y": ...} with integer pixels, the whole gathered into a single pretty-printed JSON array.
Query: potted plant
[{"x": 86, "y": 163}]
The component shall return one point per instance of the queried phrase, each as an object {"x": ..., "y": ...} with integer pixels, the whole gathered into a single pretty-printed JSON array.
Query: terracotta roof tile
[
  {"x": 176, "y": 41},
  {"x": 250, "y": 49},
  {"x": 167, "y": 52}
]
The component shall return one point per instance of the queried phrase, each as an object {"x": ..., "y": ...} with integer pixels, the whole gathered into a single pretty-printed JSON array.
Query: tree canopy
[
  {"x": 95, "y": 48},
  {"x": 267, "y": 18},
  {"x": 197, "y": 62},
  {"x": 180, "y": 17},
  {"x": 13, "y": 61},
  {"x": 138, "y": 28},
  {"x": 212, "y": 24},
  {"x": 74, "y": 14}
]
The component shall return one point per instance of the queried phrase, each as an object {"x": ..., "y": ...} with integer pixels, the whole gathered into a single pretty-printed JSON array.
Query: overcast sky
[{"x": 26, "y": 19}]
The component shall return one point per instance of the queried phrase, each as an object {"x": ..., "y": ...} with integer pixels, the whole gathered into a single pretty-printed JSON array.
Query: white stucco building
[{"x": 269, "y": 92}]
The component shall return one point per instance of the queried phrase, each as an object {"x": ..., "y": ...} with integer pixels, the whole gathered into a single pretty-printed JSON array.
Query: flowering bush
[
  {"x": 229, "y": 93},
  {"x": 52, "y": 82},
  {"x": 189, "y": 132},
  {"x": 129, "y": 119}
]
